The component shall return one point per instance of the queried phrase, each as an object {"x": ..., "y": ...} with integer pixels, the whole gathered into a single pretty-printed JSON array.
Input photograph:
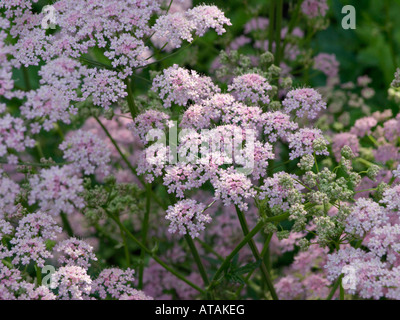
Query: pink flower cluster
[
  {"x": 8, "y": 194},
  {"x": 307, "y": 141},
  {"x": 251, "y": 88},
  {"x": 115, "y": 283},
  {"x": 151, "y": 119},
  {"x": 304, "y": 102},
  {"x": 56, "y": 190},
  {"x": 75, "y": 252},
  {"x": 345, "y": 139},
  {"x": 327, "y": 63},
  {"x": 181, "y": 25},
  {"x": 365, "y": 215},
  {"x": 187, "y": 216},
  {"x": 363, "y": 126},
  {"x": 86, "y": 152},
  {"x": 29, "y": 242},
  {"x": 178, "y": 85},
  {"x": 233, "y": 188},
  {"x": 314, "y": 8}
]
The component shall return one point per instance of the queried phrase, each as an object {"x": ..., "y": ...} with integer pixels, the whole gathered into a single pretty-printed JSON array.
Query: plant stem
[
  {"x": 157, "y": 259},
  {"x": 199, "y": 263},
  {"x": 246, "y": 239},
  {"x": 373, "y": 140},
  {"x": 125, "y": 159},
  {"x": 262, "y": 254},
  {"x": 38, "y": 276},
  {"x": 131, "y": 102},
  {"x": 341, "y": 291},
  {"x": 279, "y": 12},
  {"x": 209, "y": 249},
  {"x": 292, "y": 24},
  {"x": 389, "y": 31},
  {"x": 126, "y": 248},
  {"x": 116, "y": 145},
  {"x": 334, "y": 288},
  {"x": 145, "y": 229},
  {"x": 39, "y": 150},
  {"x": 66, "y": 224},
  {"x": 26, "y": 78},
  {"x": 168, "y": 56},
  {"x": 271, "y": 24},
  {"x": 372, "y": 189},
  {"x": 365, "y": 162},
  {"x": 256, "y": 254}
]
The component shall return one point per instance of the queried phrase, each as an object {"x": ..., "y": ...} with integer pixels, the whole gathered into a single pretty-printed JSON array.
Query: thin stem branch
[
  {"x": 66, "y": 224},
  {"x": 26, "y": 78},
  {"x": 334, "y": 288},
  {"x": 126, "y": 248},
  {"x": 131, "y": 101},
  {"x": 341, "y": 291},
  {"x": 271, "y": 24},
  {"x": 264, "y": 272},
  {"x": 145, "y": 229},
  {"x": 125, "y": 159},
  {"x": 262, "y": 254},
  {"x": 209, "y": 249},
  {"x": 38, "y": 276},
  {"x": 154, "y": 256},
  {"x": 279, "y": 13},
  {"x": 199, "y": 263},
  {"x": 246, "y": 239}
]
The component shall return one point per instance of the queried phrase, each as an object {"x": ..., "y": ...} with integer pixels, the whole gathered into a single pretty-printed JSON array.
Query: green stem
[
  {"x": 199, "y": 263},
  {"x": 279, "y": 12},
  {"x": 365, "y": 162},
  {"x": 7, "y": 263},
  {"x": 26, "y": 78},
  {"x": 389, "y": 31},
  {"x": 373, "y": 140},
  {"x": 264, "y": 272},
  {"x": 125, "y": 159},
  {"x": 131, "y": 102},
  {"x": 246, "y": 239},
  {"x": 271, "y": 25},
  {"x": 126, "y": 248},
  {"x": 372, "y": 189},
  {"x": 157, "y": 259},
  {"x": 38, "y": 276},
  {"x": 263, "y": 254},
  {"x": 168, "y": 56},
  {"x": 40, "y": 150},
  {"x": 95, "y": 63},
  {"x": 341, "y": 291},
  {"x": 334, "y": 288},
  {"x": 116, "y": 145},
  {"x": 32, "y": 164},
  {"x": 292, "y": 24},
  {"x": 66, "y": 224},
  {"x": 316, "y": 162},
  {"x": 265, "y": 251},
  {"x": 145, "y": 229},
  {"x": 209, "y": 249},
  {"x": 228, "y": 259}
]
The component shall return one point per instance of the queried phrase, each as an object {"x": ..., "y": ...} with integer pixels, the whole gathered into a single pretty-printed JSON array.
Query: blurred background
[{"x": 371, "y": 49}]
